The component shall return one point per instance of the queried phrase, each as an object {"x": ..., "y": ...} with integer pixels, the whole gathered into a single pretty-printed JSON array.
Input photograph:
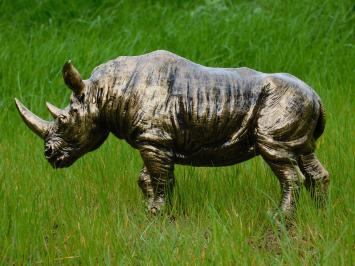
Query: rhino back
[{"x": 203, "y": 107}]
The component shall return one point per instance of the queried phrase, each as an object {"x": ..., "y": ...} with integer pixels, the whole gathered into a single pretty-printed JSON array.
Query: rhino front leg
[
  {"x": 156, "y": 178},
  {"x": 145, "y": 183}
]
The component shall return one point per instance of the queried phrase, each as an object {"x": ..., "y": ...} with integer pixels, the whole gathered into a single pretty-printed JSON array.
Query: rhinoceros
[{"x": 175, "y": 111}]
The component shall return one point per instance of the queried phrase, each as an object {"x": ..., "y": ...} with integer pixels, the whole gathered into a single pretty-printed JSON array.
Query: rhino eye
[
  {"x": 73, "y": 111},
  {"x": 81, "y": 98}
]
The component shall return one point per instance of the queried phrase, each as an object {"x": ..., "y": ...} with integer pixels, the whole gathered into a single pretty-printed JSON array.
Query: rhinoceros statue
[{"x": 175, "y": 111}]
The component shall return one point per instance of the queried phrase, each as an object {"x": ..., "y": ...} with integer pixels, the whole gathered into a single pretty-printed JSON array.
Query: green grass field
[{"x": 93, "y": 212}]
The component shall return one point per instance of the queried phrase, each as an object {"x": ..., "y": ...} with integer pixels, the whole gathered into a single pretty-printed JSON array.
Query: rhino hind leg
[
  {"x": 317, "y": 178},
  {"x": 285, "y": 128},
  {"x": 291, "y": 181}
]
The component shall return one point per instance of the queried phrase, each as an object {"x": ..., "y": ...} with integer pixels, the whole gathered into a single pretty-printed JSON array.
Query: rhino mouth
[{"x": 61, "y": 160}]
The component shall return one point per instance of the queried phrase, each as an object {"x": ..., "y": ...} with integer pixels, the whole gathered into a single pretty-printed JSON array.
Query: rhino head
[{"x": 75, "y": 130}]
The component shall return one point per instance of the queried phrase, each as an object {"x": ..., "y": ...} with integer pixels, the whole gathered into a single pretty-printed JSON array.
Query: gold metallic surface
[{"x": 175, "y": 111}]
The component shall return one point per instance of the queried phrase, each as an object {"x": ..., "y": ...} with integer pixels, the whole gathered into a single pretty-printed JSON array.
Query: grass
[{"x": 92, "y": 212}]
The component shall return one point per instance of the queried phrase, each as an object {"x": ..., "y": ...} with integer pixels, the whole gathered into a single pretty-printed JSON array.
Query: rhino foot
[{"x": 155, "y": 206}]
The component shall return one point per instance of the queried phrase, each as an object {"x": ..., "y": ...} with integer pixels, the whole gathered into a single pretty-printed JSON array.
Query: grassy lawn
[{"x": 93, "y": 212}]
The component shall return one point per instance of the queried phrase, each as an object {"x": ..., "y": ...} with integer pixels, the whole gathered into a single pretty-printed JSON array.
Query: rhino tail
[{"x": 318, "y": 131}]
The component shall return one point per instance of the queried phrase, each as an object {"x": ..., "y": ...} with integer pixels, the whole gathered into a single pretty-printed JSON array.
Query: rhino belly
[{"x": 222, "y": 155}]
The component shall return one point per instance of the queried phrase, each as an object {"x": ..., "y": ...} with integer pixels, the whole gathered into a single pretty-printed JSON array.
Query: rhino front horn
[
  {"x": 72, "y": 78},
  {"x": 36, "y": 124},
  {"x": 55, "y": 111}
]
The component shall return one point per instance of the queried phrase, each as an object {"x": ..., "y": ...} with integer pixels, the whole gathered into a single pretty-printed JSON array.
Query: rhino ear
[{"x": 72, "y": 78}]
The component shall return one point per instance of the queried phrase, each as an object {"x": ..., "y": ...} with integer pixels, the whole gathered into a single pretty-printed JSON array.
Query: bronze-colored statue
[{"x": 177, "y": 112}]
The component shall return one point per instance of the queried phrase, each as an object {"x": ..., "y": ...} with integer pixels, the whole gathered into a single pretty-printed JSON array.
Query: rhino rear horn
[
  {"x": 55, "y": 111},
  {"x": 36, "y": 124},
  {"x": 72, "y": 78}
]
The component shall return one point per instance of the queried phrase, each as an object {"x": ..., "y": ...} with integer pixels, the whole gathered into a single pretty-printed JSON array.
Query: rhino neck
[{"x": 114, "y": 102}]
